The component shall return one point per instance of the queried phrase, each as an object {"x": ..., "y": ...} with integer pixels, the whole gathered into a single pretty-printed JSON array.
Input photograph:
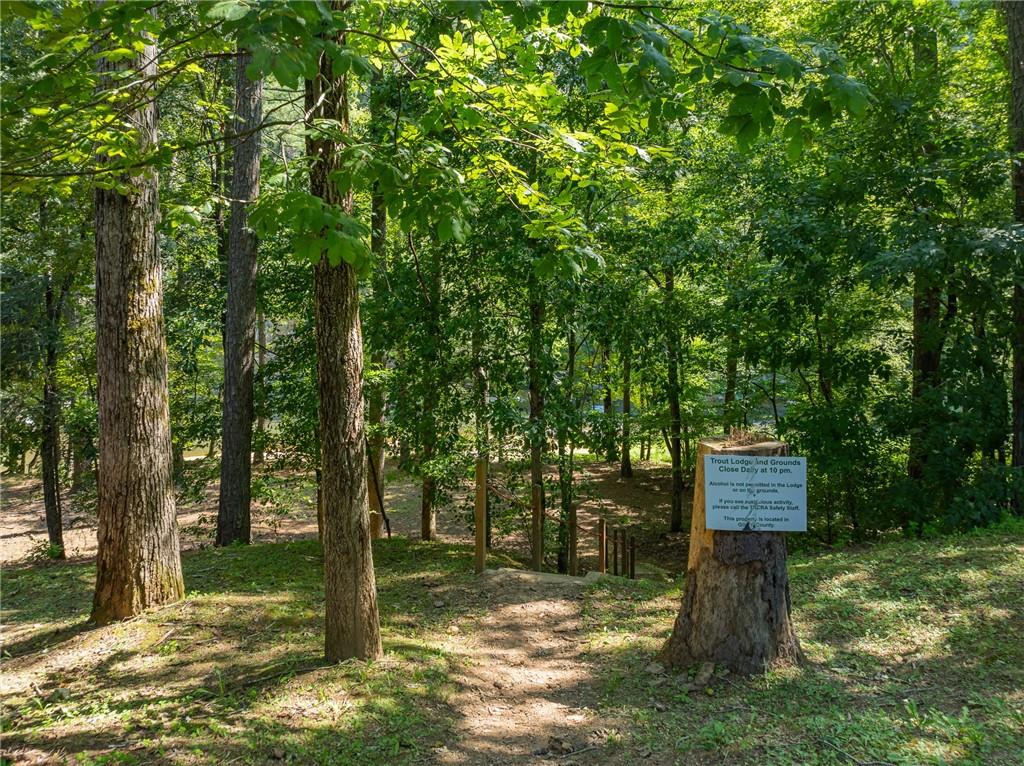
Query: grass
[
  {"x": 915, "y": 657},
  {"x": 914, "y": 654},
  {"x": 234, "y": 673}
]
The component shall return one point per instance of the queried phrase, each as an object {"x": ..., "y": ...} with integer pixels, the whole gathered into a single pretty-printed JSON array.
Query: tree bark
[
  {"x": 675, "y": 418},
  {"x": 1015, "y": 35},
  {"x": 610, "y": 440},
  {"x": 352, "y": 621},
  {"x": 482, "y": 457},
  {"x": 731, "y": 366},
  {"x": 536, "y": 423},
  {"x": 233, "y": 512},
  {"x": 138, "y": 563},
  {"x": 626, "y": 469},
  {"x": 736, "y": 605},
  {"x": 50, "y": 446},
  {"x": 375, "y": 400},
  {"x": 259, "y": 454}
]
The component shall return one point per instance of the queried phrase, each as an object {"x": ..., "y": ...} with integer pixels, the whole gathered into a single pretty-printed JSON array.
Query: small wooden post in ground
[
  {"x": 632, "y": 557},
  {"x": 602, "y": 546},
  {"x": 615, "y": 551},
  {"x": 735, "y": 609},
  {"x": 480, "y": 515},
  {"x": 573, "y": 541}
]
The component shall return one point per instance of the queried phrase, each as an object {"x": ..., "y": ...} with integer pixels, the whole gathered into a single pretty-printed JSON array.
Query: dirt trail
[{"x": 526, "y": 694}]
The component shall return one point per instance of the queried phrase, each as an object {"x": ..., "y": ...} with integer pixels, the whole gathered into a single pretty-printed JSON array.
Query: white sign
[{"x": 758, "y": 494}]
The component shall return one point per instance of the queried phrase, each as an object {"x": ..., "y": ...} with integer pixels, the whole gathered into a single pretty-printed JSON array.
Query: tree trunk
[
  {"x": 736, "y": 606},
  {"x": 926, "y": 357},
  {"x": 1015, "y": 35},
  {"x": 610, "y": 440},
  {"x": 259, "y": 453},
  {"x": 566, "y": 469},
  {"x": 626, "y": 469},
  {"x": 50, "y": 446},
  {"x": 675, "y": 418},
  {"x": 138, "y": 563},
  {"x": 536, "y": 424},
  {"x": 375, "y": 400},
  {"x": 482, "y": 458},
  {"x": 233, "y": 512},
  {"x": 352, "y": 622},
  {"x": 731, "y": 365}
]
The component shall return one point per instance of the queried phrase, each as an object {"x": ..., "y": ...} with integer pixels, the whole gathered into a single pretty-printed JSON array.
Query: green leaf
[{"x": 229, "y": 10}]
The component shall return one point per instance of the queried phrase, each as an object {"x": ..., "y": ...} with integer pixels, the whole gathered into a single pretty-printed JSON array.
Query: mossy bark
[{"x": 138, "y": 564}]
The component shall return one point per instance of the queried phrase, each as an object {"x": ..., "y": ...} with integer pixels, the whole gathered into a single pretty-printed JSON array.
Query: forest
[{"x": 359, "y": 361}]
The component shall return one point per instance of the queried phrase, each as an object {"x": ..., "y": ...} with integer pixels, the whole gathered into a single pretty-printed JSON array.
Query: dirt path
[{"x": 525, "y": 696}]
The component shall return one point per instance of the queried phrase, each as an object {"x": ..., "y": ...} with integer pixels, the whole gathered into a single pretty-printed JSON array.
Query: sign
[{"x": 754, "y": 493}]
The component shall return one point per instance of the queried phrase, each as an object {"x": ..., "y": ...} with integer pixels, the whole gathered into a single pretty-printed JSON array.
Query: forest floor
[
  {"x": 285, "y": 509},
  {"x": 913, "y": 657}
]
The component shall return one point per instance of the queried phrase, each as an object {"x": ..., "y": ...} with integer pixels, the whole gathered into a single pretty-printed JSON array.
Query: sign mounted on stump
[
  {"x": 735, "y": 607},
  {"x": 750, "y": 493}
]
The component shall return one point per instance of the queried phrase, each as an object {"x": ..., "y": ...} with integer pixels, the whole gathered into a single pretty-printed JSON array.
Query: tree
[
  {"x": 1015, "y": 34},
  {"x": 233, "y": 513},
  {"x": 138, "y": 564},
  {"x": 353, "y": 627}
]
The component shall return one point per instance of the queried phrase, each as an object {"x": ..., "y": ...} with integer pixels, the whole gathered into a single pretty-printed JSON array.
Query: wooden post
[
  {"x": 632, "y": 557},
  {"x": 735, "y": 609},
  {"x": 615, "y": 551},
  {"x": 480, "y": 515},
  {"x": 573, "y": 541},
  {"x": 602, "y": 546},
  {"x": 623, "y": 554}
]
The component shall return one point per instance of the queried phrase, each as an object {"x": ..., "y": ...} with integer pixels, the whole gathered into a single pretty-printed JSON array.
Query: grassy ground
[
  {"x": 915, "y": 656},
  {"x": 234, "y": 673},
  {"x": 914, "y": 648}
]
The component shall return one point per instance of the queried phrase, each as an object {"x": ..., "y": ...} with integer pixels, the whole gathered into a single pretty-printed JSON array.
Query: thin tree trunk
[
  {"x": 536, "y": 424},
  {"x": 626, "y": 469},
  {"x": 480, "y": 510},
  {"x": 675, "y": 418},
  {"x": 375, "y": 400},
  {"x": 50, "y": 446},
  {"x": 610, "y": 442},
  {"x": 567, "y": 515},
  {"x": 259, "y": 453},
  {"x": 731, "y": 364},
  {"x": 352, "y": 621},
  {"x": 1015, "y": 34},
  {"x": 138, "y": 563},
  {"x": 233, "y": 513}
]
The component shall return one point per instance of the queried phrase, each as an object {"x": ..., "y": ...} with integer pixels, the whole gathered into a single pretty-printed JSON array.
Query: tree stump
[{"x": 736, "y": 605}]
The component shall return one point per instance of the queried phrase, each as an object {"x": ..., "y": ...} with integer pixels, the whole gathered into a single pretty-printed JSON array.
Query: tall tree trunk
[
  {"x": 50, "y": 446},
  {"x": 536, "y": 423},
  {"x": 352, "y": 621},
  {"x": 626, "y": 469},
  {"x": 233, "y": 512},
  {"x": 432, "y": 320},
  {"x": 375, "y": 400},
  {"x": 567, "y": 514},
  {"x": 731, "y": 364},
  {"x": 480, "y": 526},
  {"x": 1015, "y": 34},
  {"x": 259, "y": 455},
  {"x": 675, "y": 417},
  {"x": 927, "y": 332},
  {"x": 610, "y": 440},
  {"x": 138, "y": 563}
]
